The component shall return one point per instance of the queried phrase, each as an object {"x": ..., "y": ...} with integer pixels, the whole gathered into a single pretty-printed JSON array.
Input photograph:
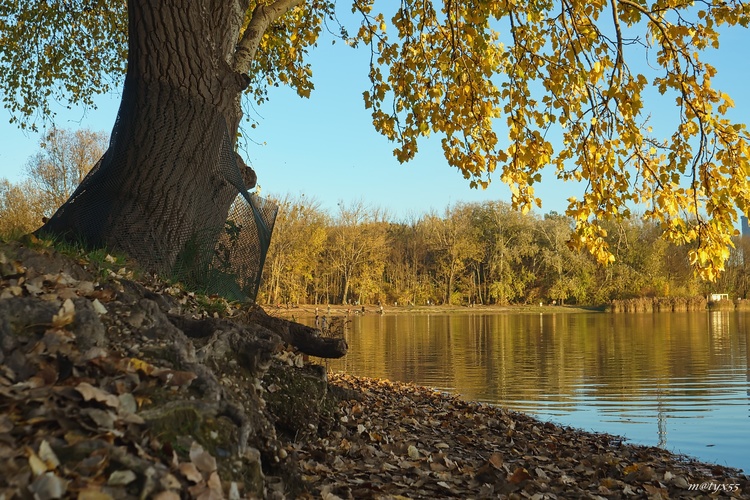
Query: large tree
[{"x": 509, "y": 87}]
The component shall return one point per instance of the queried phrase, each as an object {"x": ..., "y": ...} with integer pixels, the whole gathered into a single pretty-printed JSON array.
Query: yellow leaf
[
  {"x": 139, "y": 365},
  {"x": 65, "y": 315}
]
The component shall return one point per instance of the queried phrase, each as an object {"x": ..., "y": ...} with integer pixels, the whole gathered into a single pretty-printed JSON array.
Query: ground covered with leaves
[{"x": 117, "y": 384}]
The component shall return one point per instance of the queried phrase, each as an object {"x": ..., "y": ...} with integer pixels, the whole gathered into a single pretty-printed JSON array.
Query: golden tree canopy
[{"x": 508, "y": 87}]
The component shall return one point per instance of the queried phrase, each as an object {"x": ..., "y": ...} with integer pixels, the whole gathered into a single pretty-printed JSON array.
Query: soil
[{"x": 117, "y": 384}]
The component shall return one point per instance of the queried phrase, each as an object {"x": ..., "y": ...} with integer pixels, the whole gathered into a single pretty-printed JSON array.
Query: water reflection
[{"x": 677, "y": 380}]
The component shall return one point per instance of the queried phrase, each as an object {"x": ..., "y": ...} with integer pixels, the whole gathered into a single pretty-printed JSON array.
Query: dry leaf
[
  {"x": 202, "y": 459},
  {"x": 104, "y": 295},
  {"x": 65, "y": 315},
  {"x": 175, "y": 378},
  {"x": 167, "y": 495},
  {"x": 48, "y": 455},
  {"x": 89, "y": 392},
  {"x": 496, "y": 460},
  {"x": 99, "y": 307},
  {"x": 36, "y": 464},
  {"x": 103, "y": 419},
  {"x": 92, "y": 493},
  {"x": 190, "y": 471},
  {"x": 121, "y": 478},
  {"x": 519, "y": 475},
  {"x": 136, "y": 364},
  {"x": 48, "y": 486},
  {"x": 85, "y": 287}
]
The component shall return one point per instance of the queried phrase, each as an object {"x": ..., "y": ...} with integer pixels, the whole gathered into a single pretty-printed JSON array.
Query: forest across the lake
[{"x": 474, "y": 254}]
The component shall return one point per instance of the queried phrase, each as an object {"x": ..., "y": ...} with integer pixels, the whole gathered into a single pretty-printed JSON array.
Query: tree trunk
[
  {"x": 345, "y": 293},
  {"x": 170, "y": 175}
]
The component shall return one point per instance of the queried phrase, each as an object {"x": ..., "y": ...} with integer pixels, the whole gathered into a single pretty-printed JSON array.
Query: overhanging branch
[{"x": 261, "y": 18}]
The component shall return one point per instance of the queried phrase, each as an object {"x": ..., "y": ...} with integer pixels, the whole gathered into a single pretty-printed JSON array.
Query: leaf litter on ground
[
  {"x": 71, "y": 425},
  {"x": 397, "y": 440}
]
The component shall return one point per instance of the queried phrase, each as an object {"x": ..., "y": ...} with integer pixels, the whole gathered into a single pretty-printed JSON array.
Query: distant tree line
[
  {"x": 472, "y": 253},
  {"x": 52, "y": 174}
]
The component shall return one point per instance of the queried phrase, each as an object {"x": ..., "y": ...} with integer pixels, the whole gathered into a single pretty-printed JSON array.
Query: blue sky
[{"x": 326, "y": 147}]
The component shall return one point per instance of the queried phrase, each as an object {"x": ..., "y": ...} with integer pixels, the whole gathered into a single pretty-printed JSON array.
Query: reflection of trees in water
[
  {"x": 671, "y": 374},
  {"x": 560, "y": 360}
]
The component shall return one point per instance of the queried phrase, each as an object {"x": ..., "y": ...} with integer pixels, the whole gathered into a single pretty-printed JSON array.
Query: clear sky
[{"x": 326, "y": 147}]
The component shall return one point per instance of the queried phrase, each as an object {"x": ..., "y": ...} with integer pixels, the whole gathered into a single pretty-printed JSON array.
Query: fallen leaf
[
  {"x": 519, "y": 475},
  {"x": 104, "y": 295},
  {"x": 65, "y": 315},
  {"x": 496, "y": 460},
  {"x": 36, "y": 464},
  {"x": 89, "y": 392},
  {"x": 136, "y": 364},
  {"x": 175, "y": 378},
  {"x": 48, "y": 486},
  {"x": 103, "y": 419},
  {"x": 48, "y": 455},
  {"x": 99, "y": 307},
  {"x": 166, "y": 495},
  {"x": 92, "y": 493},
  {"x": 202, "y": 459},
  {"x": 121, "y": 478},
  {"x": 190, "y": 471}
]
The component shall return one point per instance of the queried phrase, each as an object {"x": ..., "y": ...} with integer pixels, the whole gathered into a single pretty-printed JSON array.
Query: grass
[
  {"x": 101, "y": 261},
  {"x": 104, "y": 262}
]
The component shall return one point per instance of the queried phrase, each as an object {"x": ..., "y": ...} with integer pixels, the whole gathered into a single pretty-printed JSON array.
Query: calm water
[{"x": 676, "y": 380}]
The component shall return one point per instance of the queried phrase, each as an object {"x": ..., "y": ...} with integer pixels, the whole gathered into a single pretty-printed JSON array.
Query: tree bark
[
  {"x": 306, "y": 339},
  {"x": 170, "y": 174}
]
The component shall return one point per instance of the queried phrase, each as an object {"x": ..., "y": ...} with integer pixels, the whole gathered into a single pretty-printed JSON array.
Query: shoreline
[
  {"x": 104, "y": 397},
  {"x": 400, "y": 440},
  {"x": 285, "y": 311}
]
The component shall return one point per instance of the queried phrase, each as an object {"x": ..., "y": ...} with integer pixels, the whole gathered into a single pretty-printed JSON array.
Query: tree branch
[{"x": 260, "y": 20}]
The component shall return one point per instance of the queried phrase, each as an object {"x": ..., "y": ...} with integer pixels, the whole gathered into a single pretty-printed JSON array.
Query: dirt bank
[{"x": 115, "y": 384}]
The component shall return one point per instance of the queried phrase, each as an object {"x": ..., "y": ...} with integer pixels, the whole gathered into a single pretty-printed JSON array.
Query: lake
[{"x": 676, "y": 380}]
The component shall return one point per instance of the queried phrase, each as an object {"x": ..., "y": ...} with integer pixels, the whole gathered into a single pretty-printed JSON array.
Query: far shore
[{"x": 284, "y": 310}]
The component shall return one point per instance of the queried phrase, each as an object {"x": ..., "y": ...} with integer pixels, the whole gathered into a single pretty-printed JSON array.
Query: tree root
[{"x": 307, "y": 339}]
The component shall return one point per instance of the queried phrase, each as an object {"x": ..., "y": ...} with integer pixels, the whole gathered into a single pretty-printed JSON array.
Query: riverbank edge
[
  {"x": 411, "y": 441},
  {"x": 307, "y": 310},
  {"x": 382, "y": 440}
]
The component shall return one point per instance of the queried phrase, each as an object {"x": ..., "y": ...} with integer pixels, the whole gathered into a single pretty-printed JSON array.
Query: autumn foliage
[
  {"x": 473, "y": 253},
  {"x": 513, "y": 90}
]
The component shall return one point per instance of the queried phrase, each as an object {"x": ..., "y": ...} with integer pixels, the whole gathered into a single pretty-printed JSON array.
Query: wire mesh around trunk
[
  {"x": 162, "y": 191},
  {"x": 230, "y": 262}
]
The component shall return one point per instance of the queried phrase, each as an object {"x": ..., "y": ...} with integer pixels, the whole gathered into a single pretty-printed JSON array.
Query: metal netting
[
  {"x": 171, "y": 217},
  {"x": 230, "y": 262}
]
